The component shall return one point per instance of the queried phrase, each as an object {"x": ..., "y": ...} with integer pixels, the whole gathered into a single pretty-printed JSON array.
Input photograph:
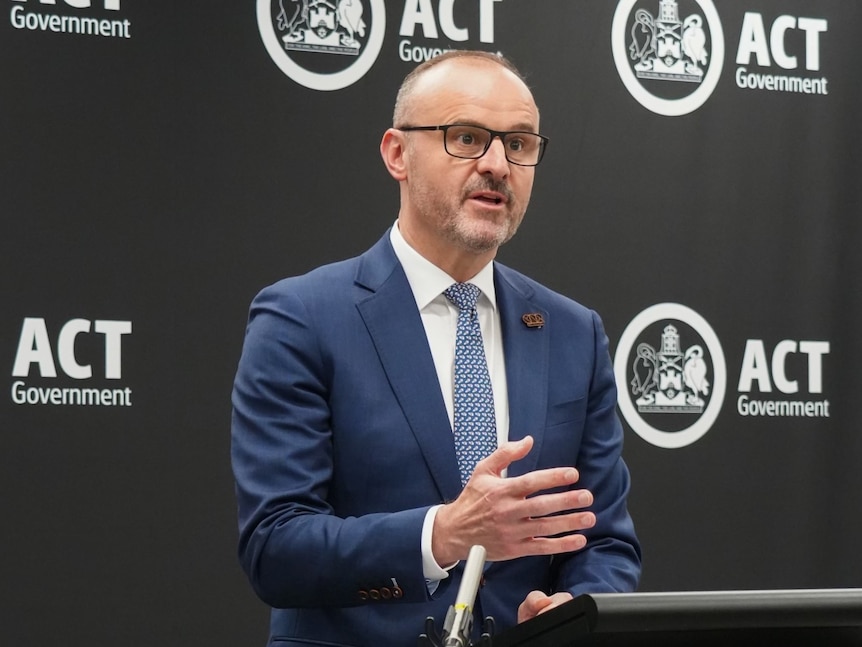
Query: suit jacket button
[
  {"x": 397, "y": 592},
  {"x": 374, "y": 594},
  {"x": 363, "y": 595},
  {"x": 385, "y": 592}
]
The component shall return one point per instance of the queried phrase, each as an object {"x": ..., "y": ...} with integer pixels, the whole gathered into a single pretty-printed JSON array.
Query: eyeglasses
[{"x": 472, "y": 142}]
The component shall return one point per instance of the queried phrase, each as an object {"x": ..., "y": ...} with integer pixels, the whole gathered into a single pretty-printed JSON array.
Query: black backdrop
[{"x": 161, "y": 175}]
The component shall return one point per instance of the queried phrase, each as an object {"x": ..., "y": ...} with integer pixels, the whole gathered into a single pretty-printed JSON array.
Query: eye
[
  {"x": 466, "y": 138},
  {"x": 515, "y": 143}
]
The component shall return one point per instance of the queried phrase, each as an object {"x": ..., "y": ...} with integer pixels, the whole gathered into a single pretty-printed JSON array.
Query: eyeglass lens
[{"x": 472, "y": 141}]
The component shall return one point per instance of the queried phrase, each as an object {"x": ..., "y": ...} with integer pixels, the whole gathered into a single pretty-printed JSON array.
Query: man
[{"x": 354, "y": 518}]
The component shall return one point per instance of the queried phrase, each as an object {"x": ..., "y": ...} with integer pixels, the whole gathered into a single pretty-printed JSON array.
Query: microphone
[{"x": 459, "y": 618}]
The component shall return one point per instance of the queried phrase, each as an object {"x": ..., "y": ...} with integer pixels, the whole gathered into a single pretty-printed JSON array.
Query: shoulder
[
  {"x": 319, "y": 281},
  {"x": 332, "y": 282}
]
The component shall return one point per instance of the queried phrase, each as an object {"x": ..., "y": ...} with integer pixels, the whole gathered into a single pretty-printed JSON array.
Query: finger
[
  {"x": 505, "y": 455},
  {"x": 560, "y": 524},
  {"x": 545, "y": 479},
  {"x": 536, "y": 601},
  {"x": 545, "y": 504},
  {"x": 555, "y": 600},
  {"x": 532, "y": 605},
  {"x": 551, "y": 545}
]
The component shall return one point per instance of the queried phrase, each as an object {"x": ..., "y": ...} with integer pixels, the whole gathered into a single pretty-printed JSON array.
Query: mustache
[{"x": 490, "y": 184}]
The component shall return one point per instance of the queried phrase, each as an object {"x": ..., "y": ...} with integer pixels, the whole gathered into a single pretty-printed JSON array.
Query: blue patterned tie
[{"x": 475, "y": 426}]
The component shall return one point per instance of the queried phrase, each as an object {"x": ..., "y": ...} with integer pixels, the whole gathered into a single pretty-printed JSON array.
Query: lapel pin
[{"x": 533, "y": 319}]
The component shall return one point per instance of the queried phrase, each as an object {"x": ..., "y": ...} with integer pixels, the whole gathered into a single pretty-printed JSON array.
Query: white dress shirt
[{"x": 440, "y": 319}]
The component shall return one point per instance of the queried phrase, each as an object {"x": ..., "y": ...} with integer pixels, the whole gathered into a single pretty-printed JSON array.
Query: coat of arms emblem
[
  {"x": 670, "y": 380},
  {"x": 666, "y": 47},
  {"x": 332, "y": 26}
]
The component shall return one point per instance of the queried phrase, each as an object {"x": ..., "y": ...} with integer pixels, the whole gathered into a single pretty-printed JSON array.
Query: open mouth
[{"x": 489, "y": 198}]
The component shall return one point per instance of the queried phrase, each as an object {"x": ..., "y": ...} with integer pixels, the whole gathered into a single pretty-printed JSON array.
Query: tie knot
[{"x": 463, "y": 295}]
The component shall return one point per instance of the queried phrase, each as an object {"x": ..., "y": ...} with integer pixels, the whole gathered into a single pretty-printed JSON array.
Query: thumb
[
  {"x": 533, "y": 605},
  {"x": 505, "y": 455}
]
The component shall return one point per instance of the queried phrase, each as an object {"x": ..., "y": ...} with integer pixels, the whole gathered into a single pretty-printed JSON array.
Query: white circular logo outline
[
  {"x": 687, "y": 436},
  {"x": 668, "y": 107},
  {"x": 315, "y": 80}
]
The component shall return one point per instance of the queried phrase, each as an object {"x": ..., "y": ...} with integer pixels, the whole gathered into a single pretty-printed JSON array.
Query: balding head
[{"x": 406, "y": 93}]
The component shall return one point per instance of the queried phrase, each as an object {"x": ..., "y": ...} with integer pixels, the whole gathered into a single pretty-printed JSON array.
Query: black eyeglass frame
[{"x": 494, "y": 133}]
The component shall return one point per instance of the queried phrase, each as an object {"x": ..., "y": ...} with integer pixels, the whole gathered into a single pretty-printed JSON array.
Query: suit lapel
[
  {"x": 526, "y": 351},
  {"x": 395, "y": 326}
]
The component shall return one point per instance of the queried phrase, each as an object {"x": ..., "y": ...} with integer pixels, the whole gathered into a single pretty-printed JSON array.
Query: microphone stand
[{"x": 458, "y": 624}]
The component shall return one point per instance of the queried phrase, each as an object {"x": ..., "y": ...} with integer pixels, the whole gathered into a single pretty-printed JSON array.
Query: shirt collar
[{"x": 427, "y": 281}]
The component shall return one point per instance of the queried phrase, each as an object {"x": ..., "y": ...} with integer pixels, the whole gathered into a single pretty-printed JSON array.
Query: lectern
[{"x": 821, "y": 617}]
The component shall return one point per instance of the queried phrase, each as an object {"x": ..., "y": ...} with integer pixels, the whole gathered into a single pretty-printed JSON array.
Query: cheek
[
  {"x": 451, "y": 181},
  {"x": 433, "y": 171},
  {"x": 523, "y": 187}
]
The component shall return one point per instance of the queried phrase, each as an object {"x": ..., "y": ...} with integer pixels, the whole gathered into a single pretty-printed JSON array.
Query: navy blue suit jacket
[{"x": 341, "y": 442}]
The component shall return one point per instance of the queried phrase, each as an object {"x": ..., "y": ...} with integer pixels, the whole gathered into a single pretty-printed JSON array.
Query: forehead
[{"x": 473, "y": 91}]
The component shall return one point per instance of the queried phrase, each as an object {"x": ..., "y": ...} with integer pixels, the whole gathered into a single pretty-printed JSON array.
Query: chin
[{"x": 485, "y": 236}]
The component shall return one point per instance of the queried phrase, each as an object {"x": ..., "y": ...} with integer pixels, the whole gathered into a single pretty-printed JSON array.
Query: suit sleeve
[
  {"x": 292, "y": 546},
  {"x": 611, "y": 560}
]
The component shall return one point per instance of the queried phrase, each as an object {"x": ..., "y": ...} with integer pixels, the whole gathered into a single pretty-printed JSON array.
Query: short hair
[{"x": 407, "y": 85}]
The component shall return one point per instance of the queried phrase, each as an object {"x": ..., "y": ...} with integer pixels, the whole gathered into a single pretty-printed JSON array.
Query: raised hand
[{"x": 502, "y": 515}]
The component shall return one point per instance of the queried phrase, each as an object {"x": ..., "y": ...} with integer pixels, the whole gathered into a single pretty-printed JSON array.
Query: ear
[{"x": 393, "y": 150}]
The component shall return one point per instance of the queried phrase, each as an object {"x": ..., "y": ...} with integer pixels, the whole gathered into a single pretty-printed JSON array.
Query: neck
[{"x": 459, "y": 262}]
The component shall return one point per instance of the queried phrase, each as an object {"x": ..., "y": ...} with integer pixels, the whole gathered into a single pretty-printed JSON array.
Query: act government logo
[
  {"x": 323, "y": 44},
  {"x": 88, "y": 354},
  {"x": 671, "y": 375},
  {"x": 669, "y": 54},
  {"x": 79, "y": 17}
]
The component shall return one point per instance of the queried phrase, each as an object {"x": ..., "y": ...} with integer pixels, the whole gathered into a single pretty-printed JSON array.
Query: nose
[{"x": 494, "y": 160}]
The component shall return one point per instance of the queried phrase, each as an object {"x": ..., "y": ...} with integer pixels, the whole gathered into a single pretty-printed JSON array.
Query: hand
[
  {"x": 536, "y": 603},
  {"x": 501, "y": 515}
]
